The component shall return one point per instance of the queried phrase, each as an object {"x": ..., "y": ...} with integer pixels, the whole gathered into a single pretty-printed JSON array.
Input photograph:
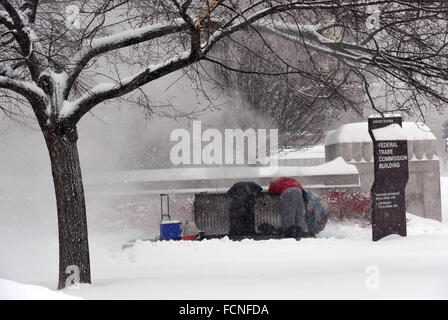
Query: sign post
[{"x": 390, "y": 154}]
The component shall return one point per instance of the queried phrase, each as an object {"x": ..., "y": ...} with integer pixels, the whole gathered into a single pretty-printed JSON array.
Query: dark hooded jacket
[{"x": 242, "y": 208}]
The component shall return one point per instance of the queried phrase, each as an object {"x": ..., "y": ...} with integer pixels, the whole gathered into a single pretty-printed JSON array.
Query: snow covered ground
[
  {"x": 13, "y": 290},
  {"x": 341, "y": 263}
]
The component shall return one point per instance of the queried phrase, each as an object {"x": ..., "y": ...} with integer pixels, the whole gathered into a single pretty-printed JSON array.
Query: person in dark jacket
[
  {"x": 242, "y": 208},
  {"x": 292, "y": 206}
]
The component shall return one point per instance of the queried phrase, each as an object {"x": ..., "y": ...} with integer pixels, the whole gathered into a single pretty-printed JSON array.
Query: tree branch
[
  {"x": 13, "y": 14},
  {"x": 120, "y": 40},
  {"x": 6, "y": 20},
  {"x": 72, "y": 112},
  {"x": 29, "y": 8},
  {"x": 35, "y": 96}
]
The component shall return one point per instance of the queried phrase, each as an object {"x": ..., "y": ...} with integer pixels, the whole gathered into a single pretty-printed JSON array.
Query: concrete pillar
[
  {"x": 357, "y": 151},
  {"x": 431, "y": 191},
  {"x": 419, "y": 149},
  {"x": 430, "y": 148},
  {"x": 367, "y": 151}
]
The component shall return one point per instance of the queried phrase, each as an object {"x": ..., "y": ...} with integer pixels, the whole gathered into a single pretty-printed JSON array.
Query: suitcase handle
[{"x": 167, "y": 205}]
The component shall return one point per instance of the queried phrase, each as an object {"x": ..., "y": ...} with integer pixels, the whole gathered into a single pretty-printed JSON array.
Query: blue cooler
[{"x": 170, "y": 230}]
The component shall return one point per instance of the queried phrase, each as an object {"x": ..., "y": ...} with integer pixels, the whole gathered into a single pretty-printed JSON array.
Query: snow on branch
[
  {"x": 7, "y": 71},
  {"x": 21, "y": 23},
  {"x": 239, "y": 21},
  {"x": 310, "y": 36},
  {"x": 13, "y": 14},
  {"x": 347, "y": 52},
  {"x": 5, "y": 19},
  {"x": 120, "y": 40},
  {"x": 128, "y": 37},
  {"x": 73, "y": 111},
  {"x": 28, "y": 9},
  {"x": 312, "y": 30},
  {"x": 28, "y": 89}
]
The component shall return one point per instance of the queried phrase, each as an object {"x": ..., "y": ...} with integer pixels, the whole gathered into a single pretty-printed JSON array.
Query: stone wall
[{"x": 316, "y": 183}]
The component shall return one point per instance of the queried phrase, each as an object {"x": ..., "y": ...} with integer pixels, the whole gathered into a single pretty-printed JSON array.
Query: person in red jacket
[
  {"x": 282, "y": 183},
  {"x": 292, "y": 206}
]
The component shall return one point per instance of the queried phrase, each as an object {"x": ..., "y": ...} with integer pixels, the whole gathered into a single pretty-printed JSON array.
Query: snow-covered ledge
[
  {"x": 333, "y": 174},
  {"x": 352, "y": 142}
]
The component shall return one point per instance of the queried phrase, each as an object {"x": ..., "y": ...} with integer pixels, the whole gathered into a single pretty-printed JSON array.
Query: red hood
[{"x": 282, "y": 183}]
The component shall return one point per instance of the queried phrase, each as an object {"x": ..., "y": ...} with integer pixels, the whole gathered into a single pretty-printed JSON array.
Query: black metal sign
[{"x": 388, "y": 204}]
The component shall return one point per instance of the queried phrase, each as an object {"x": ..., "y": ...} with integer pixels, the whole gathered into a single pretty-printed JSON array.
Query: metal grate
[
  {"x": 212, "y": 217},
  {"x": 211, "y": 213},
  {"x": 267, "y": 210}
]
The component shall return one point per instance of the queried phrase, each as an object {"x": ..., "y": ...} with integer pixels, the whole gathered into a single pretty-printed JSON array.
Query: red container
[{"x": 189, "y": 237}]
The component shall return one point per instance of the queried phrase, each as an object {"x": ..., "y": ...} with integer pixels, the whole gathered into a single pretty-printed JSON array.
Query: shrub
[{"x": 348, "y": 206}]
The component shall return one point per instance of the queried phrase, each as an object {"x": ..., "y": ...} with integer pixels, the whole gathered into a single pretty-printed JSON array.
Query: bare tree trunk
[{"x": 71, "y": 208}]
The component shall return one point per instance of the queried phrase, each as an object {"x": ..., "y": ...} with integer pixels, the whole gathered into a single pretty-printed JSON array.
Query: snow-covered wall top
[
  {"x": 336, "y": 167},
  {"x": 304, "y": 153},
  {"x": 358, "y": 133},
  {"x": 386, "y": 115},
  {"x": 390, "y": 132}
]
